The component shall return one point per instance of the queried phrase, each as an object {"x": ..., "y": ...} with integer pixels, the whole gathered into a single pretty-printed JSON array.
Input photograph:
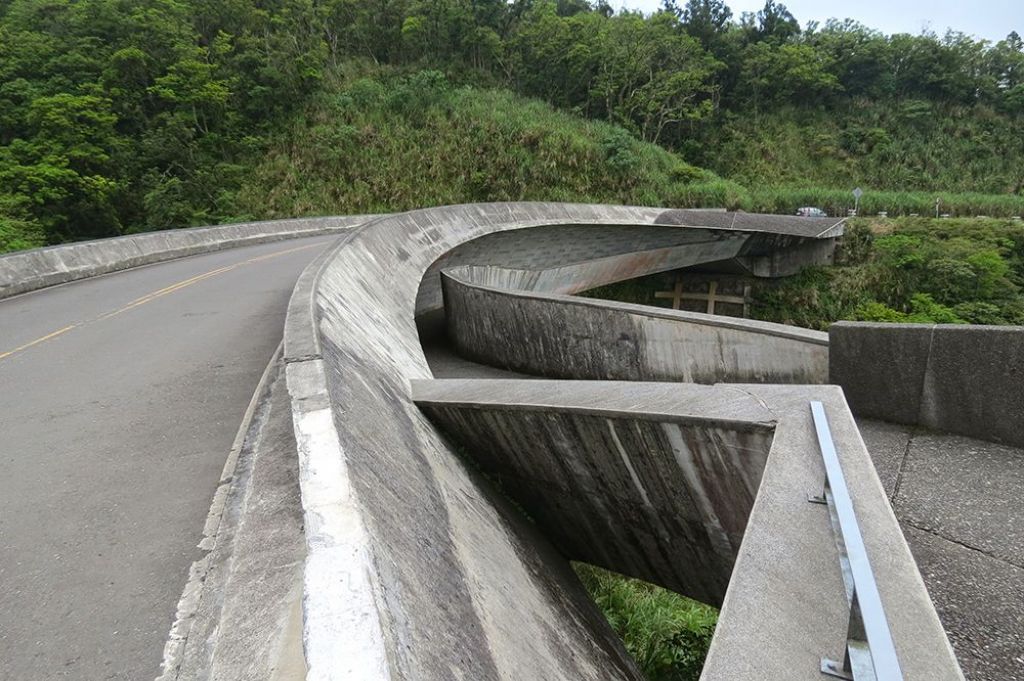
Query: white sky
[{"x": 991, "y": 19}]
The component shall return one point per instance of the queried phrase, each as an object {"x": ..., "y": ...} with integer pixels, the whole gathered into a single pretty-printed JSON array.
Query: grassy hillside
[
  {"x": 908, "y": 146},
  {"x": 392, "y": 142}
]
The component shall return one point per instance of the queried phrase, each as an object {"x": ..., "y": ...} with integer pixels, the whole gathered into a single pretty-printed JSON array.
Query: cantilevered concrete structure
[
  {"x": 462, "y": 426},
  {"x": 418, "y": 567}
]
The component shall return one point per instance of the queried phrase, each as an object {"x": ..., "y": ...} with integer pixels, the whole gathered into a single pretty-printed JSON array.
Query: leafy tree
[
  {"x": 650, "y": 77},
  {"x": 775, "y": 23},
  {"x": 123, "y": 115},
  {"x": 705, "y": 20}
]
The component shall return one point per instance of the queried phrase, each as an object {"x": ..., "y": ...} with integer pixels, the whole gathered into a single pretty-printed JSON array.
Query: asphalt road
[{"x": 120, "y": 397}]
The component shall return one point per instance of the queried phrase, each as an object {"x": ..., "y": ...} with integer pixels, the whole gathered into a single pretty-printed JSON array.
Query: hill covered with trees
[{"x": 119, "y": 116}]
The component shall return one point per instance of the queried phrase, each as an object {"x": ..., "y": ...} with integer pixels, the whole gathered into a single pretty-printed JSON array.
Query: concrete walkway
[{"x": 959, "y": 503}]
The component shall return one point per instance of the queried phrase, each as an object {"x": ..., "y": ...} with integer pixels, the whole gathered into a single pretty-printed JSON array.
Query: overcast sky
[{"x": 991, "y": 19}]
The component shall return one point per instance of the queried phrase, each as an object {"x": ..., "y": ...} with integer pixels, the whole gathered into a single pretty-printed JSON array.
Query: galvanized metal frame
[{"x": 870, "y": 651}]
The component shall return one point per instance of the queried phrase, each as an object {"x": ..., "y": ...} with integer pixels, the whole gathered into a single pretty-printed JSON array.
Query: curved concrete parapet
[
  {"x": 38, "y": 268},
  {"x": 948, "y": 377},
  {"x": 418, "y": 568},
  {"x": 561, "y": 336},
  {"x": 415, "y": 567},
  {"x": 572, "y": 257}
]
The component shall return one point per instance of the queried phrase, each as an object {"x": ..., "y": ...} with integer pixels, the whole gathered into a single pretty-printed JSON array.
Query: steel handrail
[{"x": 870, "y": 651}]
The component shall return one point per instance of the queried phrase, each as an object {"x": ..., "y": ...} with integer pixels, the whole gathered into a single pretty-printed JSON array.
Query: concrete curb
[
  {"x": 338, "y": 589},
  {"x": 25, "y": 271}
]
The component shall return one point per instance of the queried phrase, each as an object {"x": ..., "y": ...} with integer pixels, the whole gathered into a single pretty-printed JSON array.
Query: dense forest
[{"x": 120, "y": 116}]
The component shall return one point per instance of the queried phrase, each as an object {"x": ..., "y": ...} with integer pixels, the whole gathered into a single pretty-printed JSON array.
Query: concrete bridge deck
[{"x": 415, "y": 567}]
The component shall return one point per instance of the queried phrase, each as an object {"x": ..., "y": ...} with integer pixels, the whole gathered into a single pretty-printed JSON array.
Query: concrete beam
[
  {"x": 650, "y": 480},
  {"x": 786, "y": 604},
  {"x": 666, "y": 481}
]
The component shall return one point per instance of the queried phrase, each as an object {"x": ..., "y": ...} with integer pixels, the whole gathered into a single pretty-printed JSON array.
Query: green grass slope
[
  {"x": 393, "y": 142},
  {"x": 390, "y": 141}
]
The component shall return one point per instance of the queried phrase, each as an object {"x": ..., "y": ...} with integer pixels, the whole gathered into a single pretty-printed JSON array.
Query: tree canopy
[{"x": 118, "y": 115}]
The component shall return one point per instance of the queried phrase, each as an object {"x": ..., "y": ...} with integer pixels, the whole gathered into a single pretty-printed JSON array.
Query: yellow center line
[
  {"x": 164, "y": 291},
  {"x": 149, "y": 297},
  {"x": 37, "y": 341}
]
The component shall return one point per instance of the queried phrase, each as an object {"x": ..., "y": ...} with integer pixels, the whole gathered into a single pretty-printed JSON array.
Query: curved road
[{"x": 120, "y": 397}]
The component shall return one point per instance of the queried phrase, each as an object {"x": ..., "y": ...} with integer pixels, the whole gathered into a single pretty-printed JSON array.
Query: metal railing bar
[{"x": 872, "y": 615}]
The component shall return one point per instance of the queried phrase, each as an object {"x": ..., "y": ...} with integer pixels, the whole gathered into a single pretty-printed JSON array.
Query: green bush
[
  {"x": 17, "y": 230},
  {"x": 909, "y": 270},
  {"x": 16, "y": 235}
]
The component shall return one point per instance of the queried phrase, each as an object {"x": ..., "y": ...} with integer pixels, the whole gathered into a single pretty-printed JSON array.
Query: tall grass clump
[
  {"x": 902, "y": 145},
  {"x": 668, "y": 635}
]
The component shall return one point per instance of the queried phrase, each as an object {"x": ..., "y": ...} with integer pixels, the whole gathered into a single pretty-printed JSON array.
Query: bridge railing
[{"x": 870, "y": 651}]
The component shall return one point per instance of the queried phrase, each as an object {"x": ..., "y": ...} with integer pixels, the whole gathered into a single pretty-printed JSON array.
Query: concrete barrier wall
[
  {"x": 38, "y": 268},
  {"x": 564, "y": 337},
  {"x": 415, "y": 568},
  {"x": 954, "y": 378}
]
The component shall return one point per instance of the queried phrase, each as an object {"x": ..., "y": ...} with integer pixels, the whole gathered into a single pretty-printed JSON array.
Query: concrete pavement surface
[
  {"x": 958, "y": 502},
  {"x": 120, "y": 397}
]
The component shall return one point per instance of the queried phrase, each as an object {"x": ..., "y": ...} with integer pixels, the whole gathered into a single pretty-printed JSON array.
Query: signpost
[{"x": 857, "y": 193}]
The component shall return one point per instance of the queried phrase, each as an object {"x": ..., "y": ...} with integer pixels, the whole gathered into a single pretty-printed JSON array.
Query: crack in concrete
[
  {"x": 303, "y": 358},
  {"x": 925, "y": 377},
  {"x": 936, "y": 533},
  {"x": 911, "y": 434},
  {"x": 751, "y": 395}
]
